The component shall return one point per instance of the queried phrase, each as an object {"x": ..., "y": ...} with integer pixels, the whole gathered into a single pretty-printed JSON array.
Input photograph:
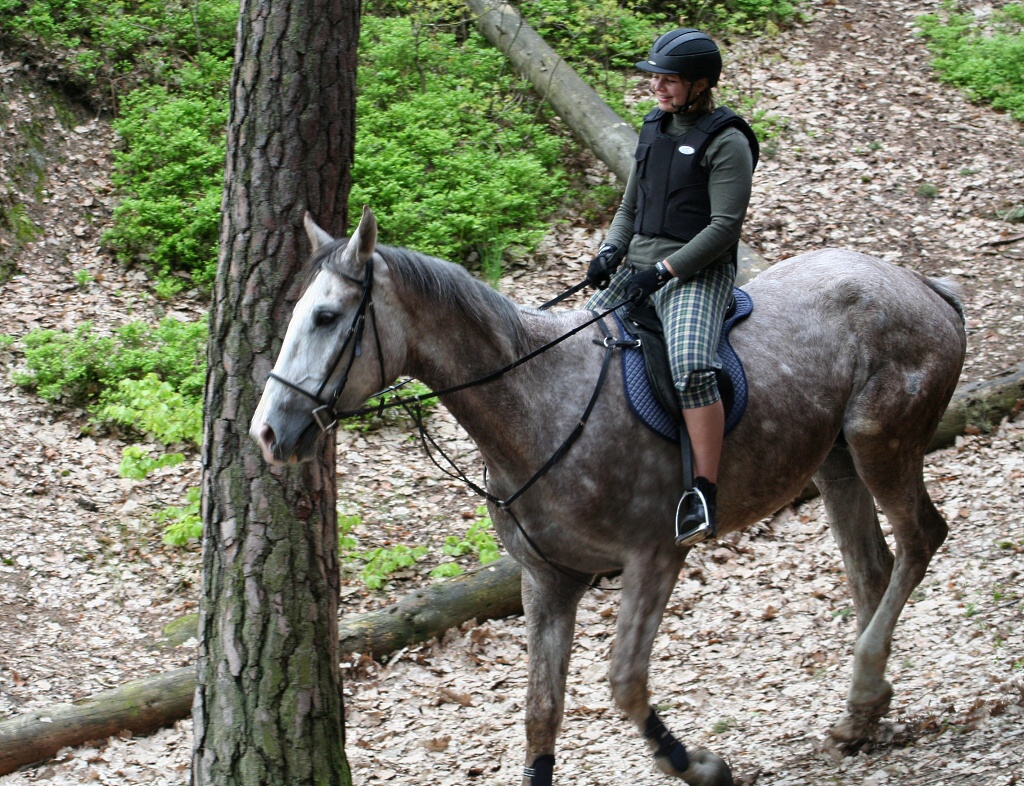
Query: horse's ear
[
  {"x": 365, "y": 237},
  {"x": 361, "y": 245},
  {"x": 317, "y": 237}
]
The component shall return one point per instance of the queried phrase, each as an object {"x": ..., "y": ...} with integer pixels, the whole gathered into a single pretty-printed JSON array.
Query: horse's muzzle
[{"x": 280, "y": 448}]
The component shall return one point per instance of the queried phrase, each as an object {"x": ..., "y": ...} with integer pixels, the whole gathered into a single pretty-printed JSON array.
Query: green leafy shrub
[
  {"x": 170, "y": 174},
  {"x": 382, "y": 562},
  {"x": 184, "y": 523},
  {"x": 603, "y": 39},
  {"x": 137, "y": 463},
  {"x": 78, "y": 368},
  {"x": 984, "y": 56},
  {"x": 347, "y": 542},
  {"x": 479, "y": 541},
  {"x": 114, "y": 46},
  {"x": 154, "y": 406},
  {"x": 148, "y": 379},
  {"x": 378, "y": 563},
  {"x": 444, "y": 153},
  {"x": 165, "y": 68}
]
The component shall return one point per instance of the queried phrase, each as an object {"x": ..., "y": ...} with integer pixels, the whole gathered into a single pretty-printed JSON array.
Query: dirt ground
[{"x": 753, "y": 657}]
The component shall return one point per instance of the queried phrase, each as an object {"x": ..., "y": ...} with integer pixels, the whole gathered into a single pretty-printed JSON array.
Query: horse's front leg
[
  {"x": 646, "y": 586},
  {"x": 549, "y": 602}
]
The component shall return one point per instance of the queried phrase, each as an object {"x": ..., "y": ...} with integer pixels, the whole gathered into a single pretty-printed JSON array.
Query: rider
[{"x": 678, "y": 227}]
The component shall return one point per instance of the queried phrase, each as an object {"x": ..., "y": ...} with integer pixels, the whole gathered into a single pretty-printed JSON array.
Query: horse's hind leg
[
  {"x": 895, "y": 479},
  {"x": 549, "y": 602},
  {"x": 853, "y": 521},
  {"x": 646, "y": 587}
]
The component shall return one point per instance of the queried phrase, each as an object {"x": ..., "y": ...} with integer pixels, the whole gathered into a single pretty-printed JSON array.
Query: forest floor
[{"x": 753, "y": 657}]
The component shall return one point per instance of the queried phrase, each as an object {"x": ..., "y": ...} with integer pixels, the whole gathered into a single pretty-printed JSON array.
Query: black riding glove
[
  {"x": 603, "y": 265},
  {"x": 645, "y": 283}
]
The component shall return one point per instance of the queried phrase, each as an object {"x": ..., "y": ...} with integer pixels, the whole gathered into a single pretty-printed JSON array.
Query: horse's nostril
[{"x": 267, "y": 436}]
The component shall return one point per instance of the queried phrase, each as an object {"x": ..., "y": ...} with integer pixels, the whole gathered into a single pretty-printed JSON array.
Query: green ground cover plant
[
  {"x": 446, "y": 155},
  {"x": 981, "y": 54},
  {"x": 84, "y": 368},
  {"x": 146, "y": 380},
  {"x": 170, "y": 174},
  {"x": 377, "y": 565}
]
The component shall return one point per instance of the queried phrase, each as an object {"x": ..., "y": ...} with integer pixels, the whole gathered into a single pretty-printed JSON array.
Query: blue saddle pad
[{"x": 732, "y": 380}]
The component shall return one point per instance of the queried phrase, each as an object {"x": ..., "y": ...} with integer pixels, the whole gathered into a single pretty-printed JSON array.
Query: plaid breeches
[{"x": 691, "y": 314}]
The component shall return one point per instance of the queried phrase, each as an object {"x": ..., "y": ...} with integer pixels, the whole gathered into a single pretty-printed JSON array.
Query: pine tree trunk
[{"x": 268, "y": 707}]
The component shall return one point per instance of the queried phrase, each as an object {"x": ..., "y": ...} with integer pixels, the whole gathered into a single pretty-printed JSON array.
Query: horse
[{"x": 851, "y": 362}]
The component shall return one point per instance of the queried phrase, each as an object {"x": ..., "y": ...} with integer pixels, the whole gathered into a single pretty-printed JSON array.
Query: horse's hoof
[
  {"x": 707, "y": 769},
  {"x": 855, "y": 732}
]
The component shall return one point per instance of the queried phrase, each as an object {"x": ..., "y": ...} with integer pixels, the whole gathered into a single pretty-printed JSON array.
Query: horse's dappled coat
[{"x": 850, "y": 363}]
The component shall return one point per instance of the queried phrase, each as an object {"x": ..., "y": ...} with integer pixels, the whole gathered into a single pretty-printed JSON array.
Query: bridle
[{"x": 326, "y": 415}]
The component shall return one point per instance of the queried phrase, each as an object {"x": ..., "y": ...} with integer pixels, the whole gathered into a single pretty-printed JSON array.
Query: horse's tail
[{"x": 949, "y": 290}]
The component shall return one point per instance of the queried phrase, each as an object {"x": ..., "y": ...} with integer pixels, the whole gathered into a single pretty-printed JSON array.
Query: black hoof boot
[
  {"x": 542, "y": 771},
  {"x": 670, "y": 754},
  {"x": 700, "y": 519}
]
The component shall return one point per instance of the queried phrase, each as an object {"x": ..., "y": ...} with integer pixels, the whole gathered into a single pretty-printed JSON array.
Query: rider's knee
[{"x": 700, "y": 389}]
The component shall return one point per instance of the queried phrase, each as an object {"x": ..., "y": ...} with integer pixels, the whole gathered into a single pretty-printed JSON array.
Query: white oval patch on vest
[{"x": 686, "y": 150}]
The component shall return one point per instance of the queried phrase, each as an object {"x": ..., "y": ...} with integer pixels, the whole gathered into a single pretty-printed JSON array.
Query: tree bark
[
  {"x": 268, "y": 707},
  {"x": 602, "y": 131},
  {"x": 144, "y": 705}
]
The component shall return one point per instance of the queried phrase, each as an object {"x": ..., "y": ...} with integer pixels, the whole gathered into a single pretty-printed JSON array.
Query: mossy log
[
  {"x": 981, "y": 406},
  {"x": 141, "y": 706},
  {"x": 144, "y": 705}
]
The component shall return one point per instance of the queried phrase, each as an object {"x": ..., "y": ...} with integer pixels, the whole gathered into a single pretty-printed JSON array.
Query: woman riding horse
[{"x": 678, "y": 227}]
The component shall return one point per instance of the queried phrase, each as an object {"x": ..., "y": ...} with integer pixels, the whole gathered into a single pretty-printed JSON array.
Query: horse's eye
[{"x": 325, "y": 318}]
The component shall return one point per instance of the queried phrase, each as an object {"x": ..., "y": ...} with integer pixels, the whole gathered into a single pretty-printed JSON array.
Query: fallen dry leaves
[{"x": 753, "y": 657}]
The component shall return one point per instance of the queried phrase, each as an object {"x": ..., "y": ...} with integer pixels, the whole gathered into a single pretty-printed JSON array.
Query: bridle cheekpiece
[{"x": 325, "y": 415}]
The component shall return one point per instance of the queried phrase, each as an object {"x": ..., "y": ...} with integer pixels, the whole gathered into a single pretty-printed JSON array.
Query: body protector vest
[{"x": 672, "y": 197}]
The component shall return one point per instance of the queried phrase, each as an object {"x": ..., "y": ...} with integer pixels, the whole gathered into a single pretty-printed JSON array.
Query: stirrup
[{"x": 702, "y": 531}]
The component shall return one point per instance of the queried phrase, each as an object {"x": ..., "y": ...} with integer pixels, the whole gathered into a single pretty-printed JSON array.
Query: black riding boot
[{"x": 700, "y": 522}]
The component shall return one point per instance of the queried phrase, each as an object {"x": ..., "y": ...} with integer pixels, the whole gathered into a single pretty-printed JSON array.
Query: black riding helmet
[{"x": 687, "y": 52}]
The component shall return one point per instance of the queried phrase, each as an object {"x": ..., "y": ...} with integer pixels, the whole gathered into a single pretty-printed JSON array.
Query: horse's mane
[
  {"x": 446, "y": 283},
  {"x": 452, "y": 287}
]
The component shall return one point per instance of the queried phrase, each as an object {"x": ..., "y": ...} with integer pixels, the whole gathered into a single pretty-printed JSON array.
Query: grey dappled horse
[{"x": 851, "y": 362}]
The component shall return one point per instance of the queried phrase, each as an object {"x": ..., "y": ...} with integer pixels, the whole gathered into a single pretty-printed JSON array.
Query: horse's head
[{"x": 335, "y": 351}]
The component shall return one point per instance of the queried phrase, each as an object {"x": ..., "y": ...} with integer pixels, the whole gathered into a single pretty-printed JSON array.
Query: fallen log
[
  {"x": 147, "y": 704},
  {"x": 141, "y": 706},
  {"x": 492, "y": 592},
  {"x": 596, "y": 124},
  {"x": 980, "y": 405}
]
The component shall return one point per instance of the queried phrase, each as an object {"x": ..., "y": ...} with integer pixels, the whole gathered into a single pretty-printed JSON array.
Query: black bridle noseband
[{"x": 325, "y": 415}]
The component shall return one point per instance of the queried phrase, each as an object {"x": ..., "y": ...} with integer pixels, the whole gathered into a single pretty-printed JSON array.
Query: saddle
[{"x": 648, "y": 381}]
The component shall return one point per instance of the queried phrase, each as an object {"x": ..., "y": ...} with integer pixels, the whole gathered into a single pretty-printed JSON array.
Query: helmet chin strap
[{"x": 689, "y": 100}]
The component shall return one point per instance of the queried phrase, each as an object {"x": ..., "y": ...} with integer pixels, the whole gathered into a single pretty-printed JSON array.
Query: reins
[
  {"x": 481, "y": 380},
  {"x": 327, "y": 418}
]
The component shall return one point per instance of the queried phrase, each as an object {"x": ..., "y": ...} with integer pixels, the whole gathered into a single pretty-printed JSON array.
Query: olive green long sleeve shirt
[{"x": 729, "y": 165}]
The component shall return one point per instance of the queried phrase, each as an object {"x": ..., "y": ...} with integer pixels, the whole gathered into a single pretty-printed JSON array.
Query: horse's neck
[
  {"x": 447, "y": 350},
  {"x": 452, "y": 350}
]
